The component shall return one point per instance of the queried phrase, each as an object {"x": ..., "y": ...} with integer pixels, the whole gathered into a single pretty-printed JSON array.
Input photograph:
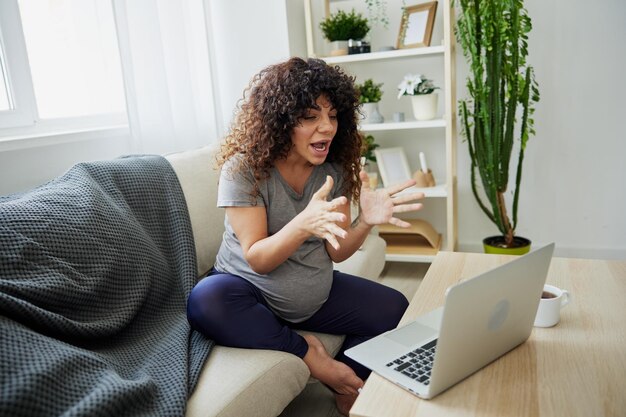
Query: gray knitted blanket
[{"x": 95, "y": 269}]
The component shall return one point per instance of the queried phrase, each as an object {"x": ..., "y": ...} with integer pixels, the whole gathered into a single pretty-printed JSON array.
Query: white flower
[{"x": 415, "y": 84}]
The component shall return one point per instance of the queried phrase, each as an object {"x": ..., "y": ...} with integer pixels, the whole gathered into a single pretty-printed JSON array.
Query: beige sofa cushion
[
  {"x": 251, "y": 382},
  {"x": 246, "y": 382},
  {"x": 198, "y": 175},
  {"x": 368, "y": 261}
]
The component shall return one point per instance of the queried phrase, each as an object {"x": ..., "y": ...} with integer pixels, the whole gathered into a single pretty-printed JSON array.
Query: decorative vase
[
  {"x": 424, "y": 106},
  {"x": 495, "y": 244},
  {"x": 371, "y": 113},
  {"x": 339, "y": 48}
]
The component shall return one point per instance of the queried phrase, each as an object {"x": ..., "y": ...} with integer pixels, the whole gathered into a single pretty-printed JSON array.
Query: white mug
[{"x": 549, "y": 311}]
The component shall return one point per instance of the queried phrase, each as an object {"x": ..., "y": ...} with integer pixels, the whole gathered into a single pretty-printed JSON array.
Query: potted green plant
[
  {"x": 494, "y": 38},
  {"x": 368, "y": 159},
  {"x": 367, "y": 151},
  {"x": 370, "y": 93},
  {"x": 422, "y": 93},
  {"x": 340, "y": 27}
]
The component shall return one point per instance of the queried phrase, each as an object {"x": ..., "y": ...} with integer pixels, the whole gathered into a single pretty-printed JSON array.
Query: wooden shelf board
[
  {"x": 418, "y": 243},
  {"x": 407, "y": 248},
  {"x": 391, "y": 257},
  {"x": 429, "y": 192}
]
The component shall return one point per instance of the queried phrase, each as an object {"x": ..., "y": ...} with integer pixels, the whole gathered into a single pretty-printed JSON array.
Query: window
[
  {"x": 4, "y": 85},
  {"x": 60, "y": 66}
]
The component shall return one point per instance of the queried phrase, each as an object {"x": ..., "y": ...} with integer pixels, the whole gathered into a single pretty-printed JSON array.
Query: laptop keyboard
[{"x": 416, "y": 364}]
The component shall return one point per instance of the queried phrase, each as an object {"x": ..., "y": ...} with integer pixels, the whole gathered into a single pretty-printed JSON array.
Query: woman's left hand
[{"x": 379, "y": 206}]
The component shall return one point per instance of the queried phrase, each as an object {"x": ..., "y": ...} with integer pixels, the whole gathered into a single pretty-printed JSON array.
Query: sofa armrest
[
  {"x": 198, "y": 178},
  {"x": 367, "y": 262}
]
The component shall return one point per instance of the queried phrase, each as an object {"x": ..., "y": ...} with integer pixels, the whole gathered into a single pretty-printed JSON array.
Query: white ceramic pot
[
  {"x": 424, "y": 106},
  {"x": 371, "y": 113}
]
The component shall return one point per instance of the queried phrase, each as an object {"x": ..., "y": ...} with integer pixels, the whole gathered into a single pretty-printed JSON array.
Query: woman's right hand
[{"x": 320, "y": 217}]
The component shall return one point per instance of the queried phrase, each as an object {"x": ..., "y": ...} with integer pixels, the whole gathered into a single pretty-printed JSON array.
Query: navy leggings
[{"x": 233, "y": 312}]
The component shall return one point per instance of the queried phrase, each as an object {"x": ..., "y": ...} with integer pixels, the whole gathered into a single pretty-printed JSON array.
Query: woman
[{"x": 290, "y": 166}]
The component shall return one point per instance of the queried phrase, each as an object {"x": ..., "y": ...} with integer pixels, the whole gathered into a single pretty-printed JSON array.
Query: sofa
[
  {"x": 95, "y": 269},
  {"x": 245, "y": 382}
]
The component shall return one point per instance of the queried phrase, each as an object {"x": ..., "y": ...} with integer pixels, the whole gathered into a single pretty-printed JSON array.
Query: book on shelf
[{"x": 418, "y": 239}]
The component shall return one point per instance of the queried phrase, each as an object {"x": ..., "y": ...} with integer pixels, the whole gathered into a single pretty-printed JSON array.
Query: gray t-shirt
[{"x": 298, "y": 287}]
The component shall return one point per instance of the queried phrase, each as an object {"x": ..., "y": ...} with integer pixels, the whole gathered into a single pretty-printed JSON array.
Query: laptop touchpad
[{"x": 411, "y": 334}]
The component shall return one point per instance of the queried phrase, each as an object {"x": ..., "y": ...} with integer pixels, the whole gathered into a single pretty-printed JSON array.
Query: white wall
[
  {"x": 573, "y": 189},
  {"x": 248, "y": 35},
  {"x": 22, "y": 168},
  {"x": 575, "y": 193}
]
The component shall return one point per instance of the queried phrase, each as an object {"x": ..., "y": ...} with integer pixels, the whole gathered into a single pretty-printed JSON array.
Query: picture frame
[
  {"x": 392, "y": 165},
  {"x": 416, "y": 25},
  {"x": 314, "y": 12}
]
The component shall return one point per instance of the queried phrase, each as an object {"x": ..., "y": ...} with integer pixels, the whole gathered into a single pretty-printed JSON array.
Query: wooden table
[{"x": 577, "y": 368}]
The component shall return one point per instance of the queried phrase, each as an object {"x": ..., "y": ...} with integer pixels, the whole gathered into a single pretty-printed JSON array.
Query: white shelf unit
[
  {"x": 448, "y": 190},
  {"x": 398, "y": 53}
]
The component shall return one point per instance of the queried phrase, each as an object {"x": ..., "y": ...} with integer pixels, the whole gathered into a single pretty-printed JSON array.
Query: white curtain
[{"x": 165, "y": 52}]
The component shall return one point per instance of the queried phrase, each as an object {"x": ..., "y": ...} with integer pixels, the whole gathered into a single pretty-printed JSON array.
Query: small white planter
[
  {"x": 339, "y": 48},
  {"x": 371, "y": 113},
  {"x": 424, "y": 106}
]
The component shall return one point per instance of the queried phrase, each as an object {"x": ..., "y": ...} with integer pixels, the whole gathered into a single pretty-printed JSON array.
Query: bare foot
[
  {"x": 344, "y": 403},
  {"x": 337, "y": 375}
]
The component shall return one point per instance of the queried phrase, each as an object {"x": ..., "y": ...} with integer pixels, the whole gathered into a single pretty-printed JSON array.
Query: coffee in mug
[{"x": 553, "y": 299}]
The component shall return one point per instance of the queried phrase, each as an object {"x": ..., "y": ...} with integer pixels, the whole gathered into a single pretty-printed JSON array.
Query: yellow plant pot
[{"x": 495, "y": 244}]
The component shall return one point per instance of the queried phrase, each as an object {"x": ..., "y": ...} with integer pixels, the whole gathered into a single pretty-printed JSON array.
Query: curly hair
[{"x": 275, "y": 102}]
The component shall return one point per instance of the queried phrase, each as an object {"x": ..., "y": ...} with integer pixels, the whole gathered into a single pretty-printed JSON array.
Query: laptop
[{"x": 482, "y": 319}]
